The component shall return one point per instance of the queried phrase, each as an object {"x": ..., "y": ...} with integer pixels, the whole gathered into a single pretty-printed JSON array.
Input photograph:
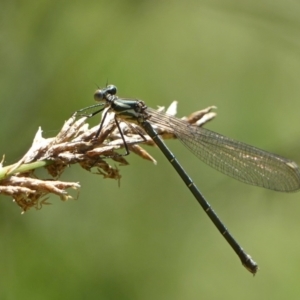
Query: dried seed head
[{"x": 75, "y": 144}]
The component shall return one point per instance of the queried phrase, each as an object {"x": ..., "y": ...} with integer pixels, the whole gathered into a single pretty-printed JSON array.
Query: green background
[{"x": 149, "y": 239}]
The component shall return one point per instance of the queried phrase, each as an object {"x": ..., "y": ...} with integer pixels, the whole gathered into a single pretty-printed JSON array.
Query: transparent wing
[{"x": 235, "y": 159}]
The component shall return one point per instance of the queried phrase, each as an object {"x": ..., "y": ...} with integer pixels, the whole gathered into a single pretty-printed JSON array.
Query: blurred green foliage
[{"x": 149, "y": 239}]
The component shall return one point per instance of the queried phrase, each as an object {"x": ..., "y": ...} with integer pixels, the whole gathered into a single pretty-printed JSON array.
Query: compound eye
[
  {"x": 111, "y": 89},
  {"x": 99, "y": 95}
]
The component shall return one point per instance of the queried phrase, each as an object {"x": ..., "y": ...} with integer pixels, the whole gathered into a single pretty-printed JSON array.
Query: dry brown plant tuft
[{"x": 75, "y": 144}]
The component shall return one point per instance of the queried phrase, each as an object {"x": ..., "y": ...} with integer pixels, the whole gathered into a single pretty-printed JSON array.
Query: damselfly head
[{"x": 101, "y": 94}]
